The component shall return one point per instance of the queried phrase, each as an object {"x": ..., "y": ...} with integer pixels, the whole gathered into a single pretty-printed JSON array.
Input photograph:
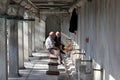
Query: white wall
[
  {"x": 65, "y": 34},
  {"x": 101, "y": 25},
  {"x": 39, "y": 32},
  {"x": 53, "y": 23},
  {"x": 99, "y": 20}
]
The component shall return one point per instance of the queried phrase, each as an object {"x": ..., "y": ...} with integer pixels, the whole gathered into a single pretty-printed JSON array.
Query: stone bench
[{"x": 53, "y": 65}]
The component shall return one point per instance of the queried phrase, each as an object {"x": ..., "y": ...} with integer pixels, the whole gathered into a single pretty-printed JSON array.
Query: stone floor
[{"x": 36, "y": 67}]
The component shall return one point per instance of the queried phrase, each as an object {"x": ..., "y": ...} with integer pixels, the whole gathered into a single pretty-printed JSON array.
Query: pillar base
[
  {"x": 52, "y": 72},
  {"x": 14, "y": 76},
  {"x": 31, "y": 56},
  {"x": 53, "y": 64},
  {"x": 22, "y": 68}
]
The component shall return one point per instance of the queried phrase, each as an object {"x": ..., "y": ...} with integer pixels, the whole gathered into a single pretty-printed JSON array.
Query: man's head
[
  {"x": 58, "y": 34},
  {"x": 52, "y": 34}
]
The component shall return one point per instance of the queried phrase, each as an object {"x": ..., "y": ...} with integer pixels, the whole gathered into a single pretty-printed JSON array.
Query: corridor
[{"x": 91, "y": 28}]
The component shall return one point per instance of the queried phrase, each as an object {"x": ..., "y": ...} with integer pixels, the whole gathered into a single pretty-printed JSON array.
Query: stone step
[
  {"x": 53, "y": 57},
  {"x": 53, "y": 68},
  {"x": 52, "y": 72},
  {"x": 39, "y": 56},
  {"x": 53, "y": 64}
]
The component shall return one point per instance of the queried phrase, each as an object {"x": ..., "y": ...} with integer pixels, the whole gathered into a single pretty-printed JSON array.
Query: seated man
[
  {"x": 57, "y": 40},
  {"x": 51, "y": 47},
  {"x": 59, "y": 44}
]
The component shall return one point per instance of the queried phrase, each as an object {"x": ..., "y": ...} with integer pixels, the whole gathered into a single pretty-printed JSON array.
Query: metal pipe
[
  {"x": 80, "y": 53},
  {"x": 86, "y": 60},
  {"x": 98, "y": 69}
]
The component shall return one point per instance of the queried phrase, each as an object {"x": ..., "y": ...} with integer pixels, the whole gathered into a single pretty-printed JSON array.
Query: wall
[
  {"x": 53, "y": 23},
  {"x": 99, "y": 21},
  {"x": 46, "y": 23},
  {"x": 100, "y": 24},
  {"x": 65, "y": 34},
  {"x": 65, "y": 27},
  {"x": 39, "y": 32}
]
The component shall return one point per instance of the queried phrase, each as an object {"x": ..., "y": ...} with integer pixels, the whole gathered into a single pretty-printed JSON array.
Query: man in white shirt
[{"x": 49, "y": 43}]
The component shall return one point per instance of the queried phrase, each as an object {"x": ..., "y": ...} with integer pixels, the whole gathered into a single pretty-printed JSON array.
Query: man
[
  {"x": 51, "y": 47},
  {"x": 57, "y": 37},
  {"x": 49, "y": 43},
  {"x": 58, "y": 42}
]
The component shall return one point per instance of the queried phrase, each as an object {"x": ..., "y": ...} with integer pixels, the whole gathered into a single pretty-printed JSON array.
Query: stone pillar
[
  {"x": 3, "y": 51},
  {"x": 3, "y": 41},
  {"x": 13, "y": 49},
  {"x": 25, "y": 33},
  {"x": 33, "y": 35},
  {"x": 20, "y": 44},
  {"x": 30, "y": 38},
  {"x": 21, "y": 39},
  {"x": 16, "y": 12}
]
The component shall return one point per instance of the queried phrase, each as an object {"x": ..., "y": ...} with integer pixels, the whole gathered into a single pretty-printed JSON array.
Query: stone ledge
[
  {"x": 53, "y": 58},
  {"x": 52, "y": 72},
  {"x": 54, "y": 64}
]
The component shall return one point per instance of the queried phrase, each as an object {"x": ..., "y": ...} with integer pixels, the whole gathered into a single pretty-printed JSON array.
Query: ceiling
[
  {"x": 45, "y": 5},
  {"x": 52, "y": 4}
]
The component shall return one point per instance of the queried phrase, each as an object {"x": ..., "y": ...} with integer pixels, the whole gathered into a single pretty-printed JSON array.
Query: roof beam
[
  {"x": 41, "y": 4},
  {"x": 53, "y": 11},
  {"x": 52, "y": 6},
  {"x": 56, "y": 2},
  {"x": 41, "y": 1}
]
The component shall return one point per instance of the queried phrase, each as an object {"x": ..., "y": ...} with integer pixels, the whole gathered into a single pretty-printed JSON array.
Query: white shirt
[{"x": 49, "y": 43}]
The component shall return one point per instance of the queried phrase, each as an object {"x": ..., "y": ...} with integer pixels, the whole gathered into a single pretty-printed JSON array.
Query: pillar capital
[
  {"x": 15, "y": 10},
  {"x": 29, "y": 14}
]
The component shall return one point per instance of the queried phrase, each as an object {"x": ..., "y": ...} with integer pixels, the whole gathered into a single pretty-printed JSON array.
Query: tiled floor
[{"x": 36, "y": 68}]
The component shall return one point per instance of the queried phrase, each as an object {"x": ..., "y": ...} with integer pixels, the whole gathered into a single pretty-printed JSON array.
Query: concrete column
[
  {"x": 13, "y": 49},
  {"x": 33, "y": 35},
  {"x": 30, "y": 38},
  {"x": 3, "y": 51},
  {"x": 25, "y": 33},
  {"x": 3, "y": 41},
  {"x": 21, "y": 45},
  {"x": 14, "y": 10}
]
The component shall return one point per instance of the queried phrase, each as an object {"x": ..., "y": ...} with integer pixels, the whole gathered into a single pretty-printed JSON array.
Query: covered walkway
[{"x": 93, "y": 32}]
